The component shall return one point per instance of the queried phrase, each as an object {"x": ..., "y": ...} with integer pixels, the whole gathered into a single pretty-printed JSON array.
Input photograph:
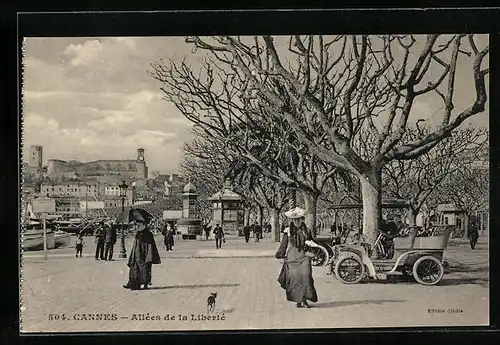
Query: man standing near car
[{"x": 109, "y": 240}]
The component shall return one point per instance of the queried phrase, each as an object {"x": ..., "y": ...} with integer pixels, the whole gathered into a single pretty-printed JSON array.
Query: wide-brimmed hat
[{"x": 296, "y": 212}]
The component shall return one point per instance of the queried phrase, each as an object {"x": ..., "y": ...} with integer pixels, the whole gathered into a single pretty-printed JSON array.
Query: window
[
  {"x": 459, "y": 223},
  {"x": 231, "y": 215},
  {"x": 445, "y": 220}
]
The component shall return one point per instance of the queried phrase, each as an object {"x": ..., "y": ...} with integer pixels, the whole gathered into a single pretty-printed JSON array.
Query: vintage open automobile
[{"x": 418, "y": 254}]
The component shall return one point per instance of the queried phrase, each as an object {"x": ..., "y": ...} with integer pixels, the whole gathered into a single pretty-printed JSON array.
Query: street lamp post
[
  {"x": 123, "y": 193},
  {"x": 133, "y": 193}
]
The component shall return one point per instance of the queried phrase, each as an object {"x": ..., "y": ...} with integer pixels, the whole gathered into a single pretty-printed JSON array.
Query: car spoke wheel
[
  {"x": 428, "y": 270},
  {"x": 320, "y": 256},
  {"x": 350, "y": 270}
]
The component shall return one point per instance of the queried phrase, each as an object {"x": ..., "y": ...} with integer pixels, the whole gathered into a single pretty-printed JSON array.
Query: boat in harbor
[
  {"x": 73, "y": 225},
  {"x": 32, "y": 234},
  {"x": 33, "y": 239},
  {"x": 62, "y": 239}
]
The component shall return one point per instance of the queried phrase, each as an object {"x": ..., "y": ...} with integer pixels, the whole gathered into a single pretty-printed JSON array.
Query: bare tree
[
  {"x": 337, "y": 86},
  {"x": 264, "y": 191},
  {"x": 217, "y": 102},
  {"x": 417, "y": 179},
  {"x": 468, "y": 188},
  {"x": 205, "y": 163}
]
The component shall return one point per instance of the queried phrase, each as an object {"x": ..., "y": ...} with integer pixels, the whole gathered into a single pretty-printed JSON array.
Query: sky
[{"x": 91, "y": 98}]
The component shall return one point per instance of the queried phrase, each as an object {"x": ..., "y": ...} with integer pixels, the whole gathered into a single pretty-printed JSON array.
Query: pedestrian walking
[
  {"x": 257, "y": 231},
  {"x": 219, "y": 236},
  {"x": 143, "y": 255},
  {"x": 473, "y": 235},
  {"x": 168, "y": 237},
  {"x": 99, "y": 240},
  {"x": 296, "y": 274},
  {"x": 109, "y": 241},
  {"x": 246, "y": 232},
  {"x": 207, "y": 231},
  {"x": 79, "y": 245}
]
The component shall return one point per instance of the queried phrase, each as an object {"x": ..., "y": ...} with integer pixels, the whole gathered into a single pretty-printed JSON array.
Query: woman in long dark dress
[
  {"x": 143, "y": 255},
  {"x": 296, "y": 274}
]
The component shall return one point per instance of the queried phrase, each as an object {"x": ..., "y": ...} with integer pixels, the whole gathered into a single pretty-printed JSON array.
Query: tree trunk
[
  {"x": 275, "y": 226},
  {"x": 292, "y": 202},
  {"x": 412, "y": 216},
  {"x": 246, "y": 217},
  {"x": 260, "y": 215},
  {"x": 311, "y": 203},
  {"x": 371, "y": 188}
]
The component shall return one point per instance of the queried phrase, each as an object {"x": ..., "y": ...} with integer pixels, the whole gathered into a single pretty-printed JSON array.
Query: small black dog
[{"x": 211, "y": 302}]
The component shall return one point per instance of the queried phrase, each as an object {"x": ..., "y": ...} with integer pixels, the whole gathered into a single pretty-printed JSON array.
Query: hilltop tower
[
  {"x": 141, "y": 166},
  {"x": 140, "y": 155},
  {"x": 35, "y": 156}
]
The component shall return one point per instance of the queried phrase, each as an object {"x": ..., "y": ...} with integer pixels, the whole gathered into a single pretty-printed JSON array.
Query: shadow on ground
[
  {"x": 349, "y": 303},
  {"x": 225, "y": 311},
  {"x": 464, "y": 281},
  {"x": 192, "y": 286},
  {"x": 468, "y": 269}
]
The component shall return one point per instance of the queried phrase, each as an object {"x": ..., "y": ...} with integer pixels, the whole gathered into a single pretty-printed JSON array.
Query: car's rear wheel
[{"x": 428, "y": 270}]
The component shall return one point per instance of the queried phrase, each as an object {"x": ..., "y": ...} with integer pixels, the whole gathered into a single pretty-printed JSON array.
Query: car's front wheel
[{"x": 350, "y": 270}]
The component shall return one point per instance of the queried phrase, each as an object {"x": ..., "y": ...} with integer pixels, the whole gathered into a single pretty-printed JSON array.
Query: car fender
[{"x": 360, "y": 253}]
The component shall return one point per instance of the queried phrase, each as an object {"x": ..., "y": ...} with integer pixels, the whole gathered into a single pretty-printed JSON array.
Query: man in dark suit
[
  {"x": 99, "y": 240},
  {"x": 473, "y": 234},
  {"x": 246, "y": 232},
  {"x": 257, "y": 231},
  {"x": 219, "y": 236},
  {"x": 109, "y": 240},
  {"x": 207, "y": 231}
]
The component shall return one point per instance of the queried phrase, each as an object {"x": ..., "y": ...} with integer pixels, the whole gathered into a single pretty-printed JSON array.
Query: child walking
[{"x": 79, "y": 245}]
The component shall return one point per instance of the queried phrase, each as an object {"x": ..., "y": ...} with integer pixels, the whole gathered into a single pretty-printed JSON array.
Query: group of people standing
[
  {"x": 257, "y": 231},
  {"x": 105, "y": 238}
]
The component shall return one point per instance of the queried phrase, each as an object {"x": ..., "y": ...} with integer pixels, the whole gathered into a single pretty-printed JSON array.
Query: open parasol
[
  {"x": 296, "y": 212},
  {"x": 134, "y": 214}
]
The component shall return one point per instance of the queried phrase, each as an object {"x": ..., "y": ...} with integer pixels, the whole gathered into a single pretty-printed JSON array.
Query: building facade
[
  {"x": 69, "y": 189},
  {"x": 112, "y": 190},
  {"x": 226, "y": 210},
  {"x": 450, "y": 214},
  {"x": 69, "y": 207}
]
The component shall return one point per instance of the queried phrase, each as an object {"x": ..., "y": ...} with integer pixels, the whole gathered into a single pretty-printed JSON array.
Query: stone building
[
  {"x": 451, "y": 214},
  {"x": 124, "y": 168},
  {"x": 69, "y": 189}
]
